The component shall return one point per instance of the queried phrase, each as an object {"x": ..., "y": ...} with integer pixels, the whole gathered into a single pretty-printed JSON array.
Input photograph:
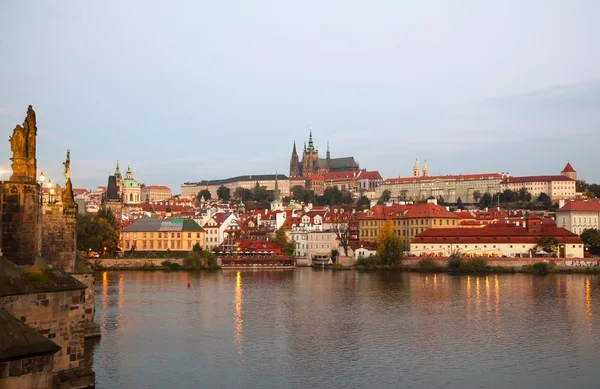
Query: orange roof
[
  {"x": 160, "y": 187},
  {"x": 448, "y": 177},
  {"x": 345, "y": 175},
  {"x": 581, "y": 206},
  {"x": 315, "y": 177},
  {"x": 526, "y": 179},
  {"x": 501, "y": 233},
  {"x": 374, "y": 175},
  {"x": 568, "y": 169}
]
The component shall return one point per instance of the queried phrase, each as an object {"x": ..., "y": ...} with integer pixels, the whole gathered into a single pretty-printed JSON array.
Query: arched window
[{"x": 130, "y": 196}]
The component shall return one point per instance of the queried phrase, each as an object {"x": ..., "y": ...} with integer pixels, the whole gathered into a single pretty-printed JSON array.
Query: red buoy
[{"x": 189, "y": 284}]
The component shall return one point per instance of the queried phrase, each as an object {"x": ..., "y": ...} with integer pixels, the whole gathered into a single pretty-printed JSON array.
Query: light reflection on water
[{"x": 321, "y": 329}]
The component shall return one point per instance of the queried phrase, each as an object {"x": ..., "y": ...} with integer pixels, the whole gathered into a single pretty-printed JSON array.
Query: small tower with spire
[
  {"x": 328, "y": 156},
  {"x": 416, "y": 169},
  {"x": 294, "y": 163},
  {"x": 119, "y": 180},
  {"x": 425, "y": 169}
]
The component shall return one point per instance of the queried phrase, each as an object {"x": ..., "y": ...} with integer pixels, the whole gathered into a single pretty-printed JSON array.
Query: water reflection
[
  {"x": 237, "y": 313},
  {"x": 305, "y": 329},
  {"x": 588, "y": 303}
]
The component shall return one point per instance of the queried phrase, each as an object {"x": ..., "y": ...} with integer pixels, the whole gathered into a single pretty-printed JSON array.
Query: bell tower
[
  {"x": 294, "y": 163},
  {"x": 416, "y": 169}
]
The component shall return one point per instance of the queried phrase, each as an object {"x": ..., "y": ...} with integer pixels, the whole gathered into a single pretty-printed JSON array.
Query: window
[{"x": 189, "y": 234}]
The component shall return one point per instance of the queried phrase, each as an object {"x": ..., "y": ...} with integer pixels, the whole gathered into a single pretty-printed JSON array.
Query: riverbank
[
  {"x": 409, "y": 264},
  {"x": 489, "y": 265}
]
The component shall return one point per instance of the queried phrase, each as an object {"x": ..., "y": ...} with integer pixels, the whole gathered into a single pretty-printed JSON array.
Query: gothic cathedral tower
[
  {"x": 309, "y": 158},
  {"x": 294, "y": 163}
]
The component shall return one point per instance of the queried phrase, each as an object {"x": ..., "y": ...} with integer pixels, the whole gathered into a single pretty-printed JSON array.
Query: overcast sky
[{"x": 197, "y": 90}]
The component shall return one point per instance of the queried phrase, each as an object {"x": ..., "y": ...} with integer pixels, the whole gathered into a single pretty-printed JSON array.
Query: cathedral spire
[
  {"x": 416, "y": 169},
  {"x": 425, "y": 169},
  {"x": 328, "y": 154},
  {"x": 311, "y": 146},
  {"x": 294, "y": 150}
]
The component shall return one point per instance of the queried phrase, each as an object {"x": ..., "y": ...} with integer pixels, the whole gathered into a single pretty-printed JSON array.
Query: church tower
[
  {"x": 119, "y": 180},
  {"x": 309, "y": 157},
  {"x": 425, "y": 169},
  {"x": 328, "y": 153},
  {"x": 416, "y": 169},
  {"x": 294, "y": 163},
  {"x": 569, "y": 172}
]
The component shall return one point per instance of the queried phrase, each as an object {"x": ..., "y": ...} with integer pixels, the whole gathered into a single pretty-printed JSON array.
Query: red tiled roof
[
  {"x": 315, "y": 177},
  {"x": 78, "y": 191},
  {"x": 568, "y": 168},
  {"x": 428, "y": 210},
  {"x": 342, "y": 176},
  {"x": 161, "y": 187},
  {"x": 494, "y": 233},
  {"x": 581, "y": 206},
  {"x": 374, "y": 175},
  {"x": 526, "y": 179},
  {"x": 448, "y": 177}
]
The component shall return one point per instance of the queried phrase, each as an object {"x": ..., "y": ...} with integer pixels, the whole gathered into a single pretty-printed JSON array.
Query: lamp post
[{"x": 51, "y": 191}]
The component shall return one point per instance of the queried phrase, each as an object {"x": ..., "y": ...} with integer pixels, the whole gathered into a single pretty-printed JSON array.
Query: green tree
[
  {"x": 389, "y": 246},
  {"x": 96, "y": 233},
  {"x": 486, "y": 200},
  {"x": 547, "y": 243},
  {"x": 223, "y": 193},
  {"x": 197, "y": 248},
  {"x": 545, "y": 200},
  {"x": 204, "y": 193},
  {"x": 287, "y": 246},
  {"x": 363, "y": 203},
  {"x": 591, "y": 238},
  {"x": 476, "y": 196},
  {"x": 106, "y": 213},
  {"x": 242, "y": 194},
  {"x": 459, "y": 204},
  {"x": 385, "y": 197}
]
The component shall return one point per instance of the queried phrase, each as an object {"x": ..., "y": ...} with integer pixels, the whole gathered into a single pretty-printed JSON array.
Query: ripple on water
[{"x": 322, "y": 329}]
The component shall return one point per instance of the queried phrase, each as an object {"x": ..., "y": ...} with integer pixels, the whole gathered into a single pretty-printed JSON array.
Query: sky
[{"x": 194, "y": 90}]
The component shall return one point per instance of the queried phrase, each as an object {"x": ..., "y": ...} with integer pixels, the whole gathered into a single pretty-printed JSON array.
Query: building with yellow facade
[
  {"x": 407, "y": 220},
  {"x": 162, "y": 235}
]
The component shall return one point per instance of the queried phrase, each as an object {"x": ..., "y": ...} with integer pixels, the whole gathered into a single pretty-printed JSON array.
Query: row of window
[
  {"x": 161, "y": 235},
  {"x": 151, "y": 244}
]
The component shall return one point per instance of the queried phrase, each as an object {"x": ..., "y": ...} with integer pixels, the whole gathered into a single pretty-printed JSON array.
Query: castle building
[{"x": 312, "y": 164}]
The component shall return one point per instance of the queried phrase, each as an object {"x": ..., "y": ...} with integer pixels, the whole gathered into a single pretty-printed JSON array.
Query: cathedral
[{"x": 312, "y": 164}]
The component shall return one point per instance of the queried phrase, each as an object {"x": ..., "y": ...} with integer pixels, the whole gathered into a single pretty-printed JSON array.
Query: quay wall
[
  {"x": 137, "y": 262},
  {"x": 516, "y": 262}
]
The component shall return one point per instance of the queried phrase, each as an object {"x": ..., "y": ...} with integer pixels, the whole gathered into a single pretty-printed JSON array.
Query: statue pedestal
[{"x": 20, "y": 170}]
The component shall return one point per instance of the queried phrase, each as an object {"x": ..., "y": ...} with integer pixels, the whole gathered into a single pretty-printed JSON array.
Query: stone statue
[
  {"x": 18, "y": 142},
  {"x": 67, "y": 193},
  {"x": 67, "y": 165},
  {"x": 22, "y": 145},
  {"x": 30, "y": 125}
]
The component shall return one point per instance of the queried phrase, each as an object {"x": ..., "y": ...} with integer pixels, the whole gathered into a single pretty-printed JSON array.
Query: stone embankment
[
  {"x": 136, "y": 263},
  {"x": 566, "y": 263}
]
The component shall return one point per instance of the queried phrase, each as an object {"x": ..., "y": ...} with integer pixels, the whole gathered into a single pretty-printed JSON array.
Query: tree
[
  {"x": 341, "y": 227},
  {"x": 287, "y": 246},
  {"x": 476, "y": 196},
  {"x": 440, "y": 200},
  {"x": 389, "y": 246},
  {"x": 385, "y": 197},
  {"x": 591, "y": 238},
  {"x": 459, "y": 204},
  {"x": 223, "y": 193},
  {"x": 363, "y": 203},
  {"x": 547, "y": 243},
  {"x": 106, "y": 213},
  {"x": 95, "y": 233},
  {"x": 524, "y": 195},
  {"x": 486, "y": 200},
  {"x": 242, "y": 194},
  {"x": 545, "y": 200},
  {"x": 204, "y": 193},
  {"x": 197, "y": 248},
  {"x": 403, "y": 194}
]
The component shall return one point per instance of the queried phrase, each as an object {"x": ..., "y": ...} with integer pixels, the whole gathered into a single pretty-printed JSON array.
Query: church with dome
[
  {"x": 129, "y": 189},
  {"x": 311, "y": 164}
]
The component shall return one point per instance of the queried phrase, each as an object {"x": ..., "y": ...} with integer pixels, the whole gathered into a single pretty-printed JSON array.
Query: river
[{"x": 309, "y": 328}]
